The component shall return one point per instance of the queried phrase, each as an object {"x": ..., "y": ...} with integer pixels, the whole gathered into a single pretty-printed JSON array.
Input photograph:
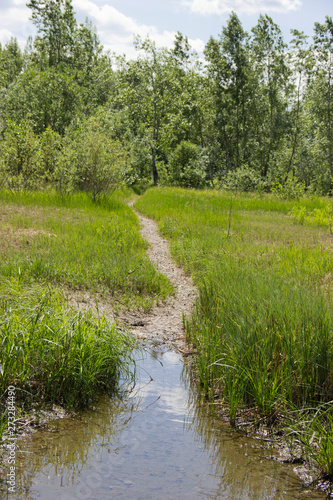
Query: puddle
[{"x": 156, "y": 442}]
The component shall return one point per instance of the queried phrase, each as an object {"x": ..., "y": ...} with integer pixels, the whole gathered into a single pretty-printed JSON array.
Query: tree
[
  {"x": 190, "y": 117},
  {"x": 322, "y": 86},
  {"x": 183, "y": 165},
  {"x": 20, "y": 166},
  {"x": 11, "y": 63},
  {"x": 56, "y": 25},
  {"x": 90, "y": 161},
  {"x": 92, "y": 67},
  {"x": 66, "y": 74},
  {"x": 146, "y": 91},
  {"x": 228, "y": 68},
  {"x": 299, "y": 60},
  {"x": 270, "y": 101},
  {"x": 45, "y": 98}
]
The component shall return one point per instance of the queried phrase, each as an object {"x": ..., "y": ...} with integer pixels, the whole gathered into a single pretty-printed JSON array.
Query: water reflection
[{"x": 156, "y": 442}]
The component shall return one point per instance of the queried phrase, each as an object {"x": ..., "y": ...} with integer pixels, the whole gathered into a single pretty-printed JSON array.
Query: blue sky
[{"x": 118, "y": 20}]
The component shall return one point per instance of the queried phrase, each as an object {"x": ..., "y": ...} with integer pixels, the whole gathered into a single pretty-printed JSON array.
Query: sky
[{"x": 117, "y": 21}]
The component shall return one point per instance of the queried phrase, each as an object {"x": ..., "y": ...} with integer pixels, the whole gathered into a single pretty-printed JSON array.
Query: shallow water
[{"x": 156, "y": 442}]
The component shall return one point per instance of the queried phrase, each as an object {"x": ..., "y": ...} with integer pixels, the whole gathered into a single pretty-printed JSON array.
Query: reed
[{"x": 53, "y": 354}]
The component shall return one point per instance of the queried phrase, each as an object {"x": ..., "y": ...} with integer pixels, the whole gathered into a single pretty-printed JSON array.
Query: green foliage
[
  {"x": 243, "y": 179},
  {"x": 314, "y": 433},
  {"x": 289, "y": 189},
  {"x": 140, "y": 165},
  {"x": 90, "y": 161},
  {"x": 21, "y": 166},
  {"x": 299, "y": 214},
  {"x": 47, "y": 98},
  {"x": 322, "y": 216},
  {"x": 260, "y": 111},
  {"x": 212, "y": 161},
  {"x": 11, "y": 63},
  {"x": 182, "y": 156},
  {"x": 192, "y": 176},
  {"x": 228, "y": 68},
  {"x": 56, "y": 26},
  {"x": 186, "y": 169},
  {"x": 50, "y": 147}
]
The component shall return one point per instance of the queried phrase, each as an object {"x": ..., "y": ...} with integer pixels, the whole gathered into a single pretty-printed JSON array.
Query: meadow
[
  {"x": 52, "y": 247},
  {"x": 263, "y": 323},
  {"x": 72, "y": 241}
]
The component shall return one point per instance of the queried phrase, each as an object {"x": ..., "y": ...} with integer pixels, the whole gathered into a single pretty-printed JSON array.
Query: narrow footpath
[{"x": 163, "y": 326}]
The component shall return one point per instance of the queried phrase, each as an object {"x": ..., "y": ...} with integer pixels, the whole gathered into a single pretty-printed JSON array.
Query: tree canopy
[{"x": 254, "y": 108}]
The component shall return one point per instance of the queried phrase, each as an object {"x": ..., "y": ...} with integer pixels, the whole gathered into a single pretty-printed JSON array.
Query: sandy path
[{"x": 163, "y": 324}]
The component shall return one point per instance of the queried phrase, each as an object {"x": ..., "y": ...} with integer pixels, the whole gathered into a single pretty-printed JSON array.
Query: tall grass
[
  {"x": 275, "y": 338},
  {"x": 53, "y": 354},
  {"x": 263, "y": 322}
]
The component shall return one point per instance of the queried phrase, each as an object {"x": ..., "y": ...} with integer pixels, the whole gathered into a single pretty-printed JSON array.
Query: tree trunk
[{"x": 155, "y": 173}]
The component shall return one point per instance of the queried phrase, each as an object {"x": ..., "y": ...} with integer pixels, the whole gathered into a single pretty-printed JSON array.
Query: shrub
[
  {"x": 91, "y": 162},
  {"x": 243, "y": 179},
  {"x": 50, "y": 148},
  {"x": 20, "y": 167},
  {"x": 212, "y": 162},
  {"x": 290, "y": 189},
  {"x": 186, "y": 169},
  {"x": 140, "y": 165}
]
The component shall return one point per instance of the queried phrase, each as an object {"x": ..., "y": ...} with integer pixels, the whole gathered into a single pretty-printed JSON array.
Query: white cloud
[
  {"x": 116, "y": 30},
  {"x": 15, "y": 23},
  {"x": 208, "y": 7},
  {"x": 5, "y": 35}
]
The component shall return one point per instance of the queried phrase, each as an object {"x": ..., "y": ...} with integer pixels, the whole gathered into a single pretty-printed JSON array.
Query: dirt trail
[{"x": 163, "y": 325}]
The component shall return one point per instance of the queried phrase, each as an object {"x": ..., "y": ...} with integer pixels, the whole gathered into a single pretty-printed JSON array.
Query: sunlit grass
[
  {"x": 51, "y": 353},
  {"x": 72, "y": 241}
]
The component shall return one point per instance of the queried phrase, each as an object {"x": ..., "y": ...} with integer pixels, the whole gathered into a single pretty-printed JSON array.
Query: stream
[{"x": 158, "y": 440}]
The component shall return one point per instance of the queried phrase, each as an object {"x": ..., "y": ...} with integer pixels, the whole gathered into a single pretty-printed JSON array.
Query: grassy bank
[
  {"x": 263, "y": 323},
  {"x": 52, "y": 247},
  {"x": 52, "y": 354}
]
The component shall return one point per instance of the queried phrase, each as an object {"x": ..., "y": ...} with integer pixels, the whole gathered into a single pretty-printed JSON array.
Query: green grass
[
  {"x": 263, "y": 322},
  {"x": 78, "y": 244},
  {"x": 51, "y": 352}
]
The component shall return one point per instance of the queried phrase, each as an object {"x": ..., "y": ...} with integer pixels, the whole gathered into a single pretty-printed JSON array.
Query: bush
[
  {"x": 290, "y": 189},
  {"x": 212, "y": 162},
  {"x": 186, "y": 167},
  {"x": 193, "y": 176},
  {"x": 50, "y": 148},
  {"x": 140, "y": 166},
  {"x": 91, "y": 162},
  {"x": 243, "y": 179},
  {"x": 21, "y": 161}
]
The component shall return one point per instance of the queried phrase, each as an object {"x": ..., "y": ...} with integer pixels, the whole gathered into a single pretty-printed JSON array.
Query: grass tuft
[{"x": 53, "y": 354}]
